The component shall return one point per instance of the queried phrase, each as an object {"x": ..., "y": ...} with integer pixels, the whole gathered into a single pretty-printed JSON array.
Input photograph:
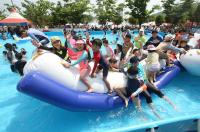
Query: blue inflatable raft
[{"x": 42, "y": 87}]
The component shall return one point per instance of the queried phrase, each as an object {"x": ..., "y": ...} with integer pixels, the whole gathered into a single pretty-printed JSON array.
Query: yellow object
[
  {"x": 198, "y": 52},
  {"x": 1, "y": 46},
  {"x": 55, "y": 38}
]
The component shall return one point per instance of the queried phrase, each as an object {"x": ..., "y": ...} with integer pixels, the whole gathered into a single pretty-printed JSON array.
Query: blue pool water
[{"x": 21, "y": 113}]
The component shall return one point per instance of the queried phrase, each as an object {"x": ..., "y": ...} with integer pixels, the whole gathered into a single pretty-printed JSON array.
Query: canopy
[{"x": 14, "y": 19}]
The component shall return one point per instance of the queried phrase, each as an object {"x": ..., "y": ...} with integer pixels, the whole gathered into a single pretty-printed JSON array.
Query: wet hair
[
  {"x": 131, "y": 71},
  {"x": 112, "y": 60},
  {"x": 97, "y": 42},
  {"x": 21, "y": 32},
  {"x": 114, "y": 31},
  {"x": 18, "y": 56},
  {"x": 105, "y": 41},
  {"x": 8, "y": 46},
  {"x": 154, "y": 31},
  {"x": 14, "y": 46},
  {"x": 23, "y": 52},
  {"x": 120, "y": 47},
  {"x": 128, "y": 36},
  {"x": 191, "y": 34},
  {"x": 135, "y": 50}
]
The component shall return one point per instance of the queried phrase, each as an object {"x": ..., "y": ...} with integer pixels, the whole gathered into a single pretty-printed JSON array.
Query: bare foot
[
  {"x": 126, "y": 102},
  {"x": 90, "y": 90}
]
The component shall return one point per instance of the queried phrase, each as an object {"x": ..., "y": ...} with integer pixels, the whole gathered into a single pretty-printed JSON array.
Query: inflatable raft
[{"x": 47, "y": 80}]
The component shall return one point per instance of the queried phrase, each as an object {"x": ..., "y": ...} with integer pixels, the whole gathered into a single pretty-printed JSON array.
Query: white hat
[
  {"x": 169, "y": 37},
  {"x": 151, "y": 48},
  {"x": 141, "y": 30}
]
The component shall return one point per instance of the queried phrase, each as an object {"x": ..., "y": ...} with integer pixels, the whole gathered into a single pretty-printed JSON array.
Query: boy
[{"x": 99, "y": 59}]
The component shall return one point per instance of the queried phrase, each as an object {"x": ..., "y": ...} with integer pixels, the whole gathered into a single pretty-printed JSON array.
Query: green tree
[
  {"x": 39, "y": 13},
  {"x": 159, "y": 20},
  {"x": 168, "y": 6},
  {"x": 109, "y": 11},
  {"x": 196, "y": 14},
  {"x": 2, "y": 14},
  {"x": 133, "y": 21},
  {"x": 74, "y": 12},
  {"x": 139, "y": 11},
  {"x": 58, "y": 14}
]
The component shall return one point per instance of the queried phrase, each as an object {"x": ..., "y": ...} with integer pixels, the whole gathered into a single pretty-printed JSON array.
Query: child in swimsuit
[
  {"x": 100, "y": 60},
  {"x": 83, "y": 58}
]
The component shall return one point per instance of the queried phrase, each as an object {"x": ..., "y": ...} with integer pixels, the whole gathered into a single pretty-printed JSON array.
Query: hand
[
  {"x": 35, "y": 43},
  {"x": 65, "y": 64},
  {"x": 92, "y": 76},
  {"x": 68, "y": 36},
  {"x": 183, "y": 51},
  {"x": 132, "y": 97}
]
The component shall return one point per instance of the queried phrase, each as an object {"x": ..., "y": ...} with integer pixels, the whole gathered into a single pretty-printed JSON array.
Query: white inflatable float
[
  {"x": 50, "y": 64},
  {"x": 46, "y": 79},
  {"x": 191, "y": 61},
  {"x": 194, "y": 41}
]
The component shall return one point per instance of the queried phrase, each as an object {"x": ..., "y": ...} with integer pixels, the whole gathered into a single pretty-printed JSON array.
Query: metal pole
[{"x": 198, "y": 125}]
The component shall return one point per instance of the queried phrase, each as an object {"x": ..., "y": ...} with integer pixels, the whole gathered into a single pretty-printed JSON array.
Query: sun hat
[
  {"x": 55, "y": 38},
  {"x": 169, "y": 37},
  {"x": 151, "y": 48}
]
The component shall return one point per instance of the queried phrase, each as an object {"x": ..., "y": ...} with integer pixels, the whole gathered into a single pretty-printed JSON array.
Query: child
[
  {"x": 135, "y": 87},
  {"x": 127, "y": 45},
  {"x": 99, "y": 59},
  {"x": 23, "y": 52},
  {"x": 82, "y": 60},
  {"x": 153, "y": 65},
  {"x": 19, "y": 65},
  {"x": 183, "y": 44},
  {"x": 114, "y": 65},
  {"x": 109, "y": 51}
]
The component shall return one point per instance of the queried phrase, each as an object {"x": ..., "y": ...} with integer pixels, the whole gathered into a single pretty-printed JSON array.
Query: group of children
[
  {"x": 157, "y": 52},
  {"x": 17, "y": 59}
]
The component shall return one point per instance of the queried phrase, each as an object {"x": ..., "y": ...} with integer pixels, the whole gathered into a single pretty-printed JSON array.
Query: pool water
[{"x": 21, "y": 113}]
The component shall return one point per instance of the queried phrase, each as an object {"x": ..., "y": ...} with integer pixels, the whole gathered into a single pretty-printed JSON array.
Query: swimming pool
[{"x": 21, "y": 113}]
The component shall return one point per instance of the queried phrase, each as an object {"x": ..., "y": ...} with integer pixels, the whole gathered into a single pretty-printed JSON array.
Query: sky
[{"x": 18, "y": 2}]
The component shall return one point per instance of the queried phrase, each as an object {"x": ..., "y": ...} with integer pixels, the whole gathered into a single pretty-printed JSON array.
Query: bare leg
[
  {"x": 153, "y": 110},
  {"x": 151, "y": 78},
  {"x": 120, "y": 92},
  {"x": 107, "y": 85},
  {"x": 170, "y": 102},
  {"x": 137, "y": 104},
  {"x": 83, "y": 74}
]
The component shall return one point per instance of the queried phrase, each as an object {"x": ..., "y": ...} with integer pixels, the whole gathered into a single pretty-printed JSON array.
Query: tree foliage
[
  {"x": 39, "y": 13},
  {"x": 139, "y": 10},
  {"x": 159, "y": 20},
  {"x": 2, "y": 15},
  {"x": 196, "y": 14},
  {"x": 109, "y": 11},
  {"x": 133, "y": 21},
  {"x": 179, "y": 13}
]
